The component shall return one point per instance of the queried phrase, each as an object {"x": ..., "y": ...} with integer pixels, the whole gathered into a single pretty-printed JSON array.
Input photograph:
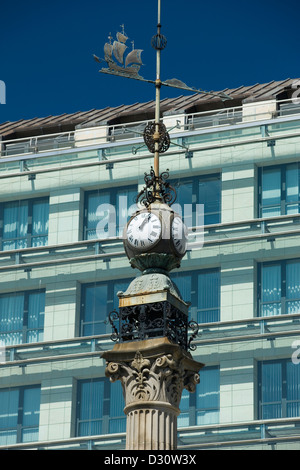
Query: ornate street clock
[
  {"x": 155, "y": 238},
  {"x": 155, "y": 241}
]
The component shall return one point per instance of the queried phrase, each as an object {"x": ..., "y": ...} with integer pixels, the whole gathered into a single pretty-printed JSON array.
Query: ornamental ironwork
[
  {"x": 158, "y": 319},
  {"x": 156, "y": 188},
  {"x": 159, "y": 42},
  {"x": 163, "y": 137}
]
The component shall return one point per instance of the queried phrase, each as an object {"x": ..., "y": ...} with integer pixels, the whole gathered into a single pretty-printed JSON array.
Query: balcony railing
[
  {"x": 262, "y": 229},
  {"x": 244, "y": 434},
  {"x": 256, "y": 328},
  {"x": 134, "y": 130}
]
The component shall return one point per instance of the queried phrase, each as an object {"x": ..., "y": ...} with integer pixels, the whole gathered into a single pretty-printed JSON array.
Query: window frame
[
  {"x": 283, "y": 402},
  {"x": 283, "y": 286},
  {"x": 194, "y": 292},
  {"x": 110, "y": 299},
  {"x": 283, "y": 188},
  {"x": 29, "y": 236},
  {"x": 19, "y": 428},
  {"x": 192, "y": 411},
  {"x": 106, "y": 419},
  {"x": 196, "y": 180},
  {"x": 25, "y": 329},
  {"x": 113, "y": 199}
]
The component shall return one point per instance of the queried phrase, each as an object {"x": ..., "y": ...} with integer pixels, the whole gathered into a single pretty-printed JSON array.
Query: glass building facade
[{"x": 62, "y": 264}]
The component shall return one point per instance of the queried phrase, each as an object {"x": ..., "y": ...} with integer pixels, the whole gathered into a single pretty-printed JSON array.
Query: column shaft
[{"x": 151, "y": 428}]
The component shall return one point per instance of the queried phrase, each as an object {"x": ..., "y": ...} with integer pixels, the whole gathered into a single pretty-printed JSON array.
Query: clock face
[
  {"x": 144, "y": 230},
  {"x": 179, "y": 235}
]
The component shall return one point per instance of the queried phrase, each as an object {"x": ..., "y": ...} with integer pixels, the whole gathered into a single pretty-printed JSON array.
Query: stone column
[{"x": 153, "y": 374}]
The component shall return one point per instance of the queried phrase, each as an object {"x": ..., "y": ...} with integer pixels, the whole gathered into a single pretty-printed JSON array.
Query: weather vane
[{"x": 156, "y": 136}]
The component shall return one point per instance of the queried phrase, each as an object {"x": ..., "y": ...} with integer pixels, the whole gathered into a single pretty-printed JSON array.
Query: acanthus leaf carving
[{"x": 156, "y": 379}]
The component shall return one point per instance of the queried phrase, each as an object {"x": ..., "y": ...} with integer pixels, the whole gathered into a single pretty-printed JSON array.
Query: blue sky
[{"x": 46, "y": 49}]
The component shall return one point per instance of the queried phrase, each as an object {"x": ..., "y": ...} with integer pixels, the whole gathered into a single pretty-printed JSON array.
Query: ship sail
[
  {"x": 134, "y": 57},
  {"x": 122, "y": 37},
  {"x": 118, "y": 50},
  {"x": 107, "y": 50}
]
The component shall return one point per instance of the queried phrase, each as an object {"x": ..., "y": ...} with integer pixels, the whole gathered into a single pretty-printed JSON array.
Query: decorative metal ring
[
  {"x": 159, "y": 42},
  {"x": 163, "y": 141}
]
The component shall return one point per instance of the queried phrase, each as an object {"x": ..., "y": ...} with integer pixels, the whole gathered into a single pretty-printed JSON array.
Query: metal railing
[
  {"x": 83, "y": 347},
  {"x": 264, "y": 229},
  {"x": 121, "y": 132},
  {"x": 245, "y": 434},
  {"x": 37, "y": 144}
]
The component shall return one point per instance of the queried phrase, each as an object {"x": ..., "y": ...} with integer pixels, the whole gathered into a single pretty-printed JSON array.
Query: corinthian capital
[{"x": 157, "y": 371}]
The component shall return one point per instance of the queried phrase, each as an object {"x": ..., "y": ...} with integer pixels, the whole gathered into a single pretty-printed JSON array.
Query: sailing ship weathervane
[{"x": 119, "y": 63}]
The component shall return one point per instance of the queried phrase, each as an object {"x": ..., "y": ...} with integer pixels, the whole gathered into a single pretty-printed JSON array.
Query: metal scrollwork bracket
[
  {"x": 156, "y": 188},
  {"x": 195, "y": 329}
]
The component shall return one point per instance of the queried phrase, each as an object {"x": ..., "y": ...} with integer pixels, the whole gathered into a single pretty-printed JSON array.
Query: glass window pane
[
  {"x": 184, "y": 284},
  {"x": 293, "y": 390},
  {"x": 95, "y": 309},
  {"x": 271, "y": 192},
  {"x": 209, "y": 296},
  {"x": 117, "y": 421},
  {"x": 271, "y": 390},
  {"x": 184, "y": 419},
  {"x": 94, "y": 201},
  {"x": 15, "y": 225},
  {"x": 207, "y": 192},
  {"x": 9, "y": 403},
  {"x": 36, "y": 313},
  {"x": 271, "y": 211},
  {"x": 292, "y": 189},
  {"x": 108, "y": 211},
  {"x": 125, "y": 207},
  {"x": 210, "y": 196},
  {"x": 31, "y": 407},
  {"x": 91, "y": 408},
  {"x": 40, "y": 222},
  {"x": 293, "y": 287},
  {"x": 292, "y": 183},
  {"x": 184, "y": 201},
  {"x": 8, "y": 437},
  {"x": 11, "y": 318},
  {"x": 30, "y": 434},
  {"x": 208, "y": 397},
  {"x": 270, "y": 290},
  {"x": 19, "y": 408}
]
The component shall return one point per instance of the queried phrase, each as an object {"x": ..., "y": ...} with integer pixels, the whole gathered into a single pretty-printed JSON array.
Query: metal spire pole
[{"x": 157, "y": 100}]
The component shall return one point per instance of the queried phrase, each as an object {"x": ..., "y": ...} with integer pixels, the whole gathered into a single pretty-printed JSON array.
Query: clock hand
[{"x": 146, "y": 219}]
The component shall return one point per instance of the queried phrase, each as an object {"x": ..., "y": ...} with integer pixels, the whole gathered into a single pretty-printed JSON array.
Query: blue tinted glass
[
  {"x": 210, "y": 196},
  {"x": 11, "y": 318},
  {"x": 271, "y": 395},
  {"x": 31, "y": 406},
  {"x": 15, "y": 220},
  {"x": 209, "y": 296},
  {"x": 95, "y": 309},
  {"x": 270, "y": 290},
  {"x": 91, "y": 408}
]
